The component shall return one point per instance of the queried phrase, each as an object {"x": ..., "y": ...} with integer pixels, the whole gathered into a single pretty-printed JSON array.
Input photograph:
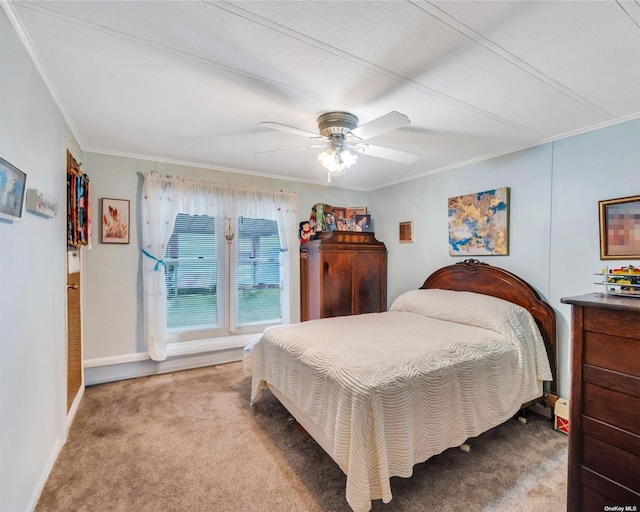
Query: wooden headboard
[{"x": 475, "y": 276}]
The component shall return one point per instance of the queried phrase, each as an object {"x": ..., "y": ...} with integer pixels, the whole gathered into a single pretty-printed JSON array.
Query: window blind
[
  {"x": 257, "y": 275},
  {"x": 212, "y": 284},
  {"x": 195, "y": 274}
]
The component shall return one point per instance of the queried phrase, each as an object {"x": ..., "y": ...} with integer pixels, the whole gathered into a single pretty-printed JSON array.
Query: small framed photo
[
  {"x": 620, "y": 228},
  {"x": 406, "y": 232},
  {"x": 363, "y": 222},
  {"x": 339, "y": 212},
  {"x": 342, "y": 224},
  {"x": 115, "y": 221},
  {"x": 352, "y": 212}
]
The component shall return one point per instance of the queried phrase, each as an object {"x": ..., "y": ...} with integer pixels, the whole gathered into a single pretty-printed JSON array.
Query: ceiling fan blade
[
  {"x": 383, "y": 124},
  {"x": 390, "y": 154},
  {"x": 289, "y": 129},
  {"x": 290, "y": 149}
]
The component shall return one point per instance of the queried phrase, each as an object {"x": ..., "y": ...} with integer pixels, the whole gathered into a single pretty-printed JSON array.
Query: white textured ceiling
[{"x": 190, "y": 81}]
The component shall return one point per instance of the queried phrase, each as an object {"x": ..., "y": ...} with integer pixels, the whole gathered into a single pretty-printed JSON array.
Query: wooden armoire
[{"x": 342, "y": 273}]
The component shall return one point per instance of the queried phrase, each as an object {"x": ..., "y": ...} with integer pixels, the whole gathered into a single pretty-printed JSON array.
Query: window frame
[{"x": 229, "y": 314}]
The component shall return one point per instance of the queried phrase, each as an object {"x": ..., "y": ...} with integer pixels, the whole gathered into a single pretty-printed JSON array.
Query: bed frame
[{"x": 475, "y": 276}]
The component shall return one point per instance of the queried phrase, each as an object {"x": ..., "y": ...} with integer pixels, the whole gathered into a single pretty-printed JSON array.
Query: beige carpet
[{"x": 188, "y": 441}]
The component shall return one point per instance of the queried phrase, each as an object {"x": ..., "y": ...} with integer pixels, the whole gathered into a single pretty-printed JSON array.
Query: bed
[{"x": 381, "y": 392}]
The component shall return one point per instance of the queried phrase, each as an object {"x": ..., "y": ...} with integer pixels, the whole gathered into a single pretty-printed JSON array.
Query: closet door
[
  {"x": 76, "y": 238},
  {"x": 74, "y": 332}
]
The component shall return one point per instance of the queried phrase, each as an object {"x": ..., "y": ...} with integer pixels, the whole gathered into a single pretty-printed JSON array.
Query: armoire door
[
  {"x": 337, "y": 282},
  {"x": 370, "y": 282}
]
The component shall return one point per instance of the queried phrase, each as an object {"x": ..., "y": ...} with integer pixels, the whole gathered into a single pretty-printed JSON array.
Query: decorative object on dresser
[
  {"x": 342, "y": 273},
  {"x": 305, "y": 232},
  {"x": 622, "y": 281},
  {"x": 620, "y": 228},
  {"x": 604, "y": 435},
  {"x": 325, "y": 217}
]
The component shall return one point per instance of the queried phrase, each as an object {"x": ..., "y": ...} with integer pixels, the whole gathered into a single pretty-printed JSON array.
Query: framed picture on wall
[
  {"x": 406, "y": 232},
  {"x": 479, "y": 223},
  {"x": 620, "y": 228},
  {"x": 13, "y": 189},
  {"x": 115, "y": 221}
]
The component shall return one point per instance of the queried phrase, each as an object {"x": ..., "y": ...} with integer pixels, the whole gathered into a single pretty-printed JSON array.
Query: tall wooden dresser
[
  {"x": 342, "y": 273},
  {"x": 604, "y": 418}
]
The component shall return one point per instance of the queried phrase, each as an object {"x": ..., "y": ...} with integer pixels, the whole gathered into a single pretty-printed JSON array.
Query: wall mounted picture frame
[
  {"x": 620, "y": 228},
  {"x": 479, "y": 223},
  {"x": 406, "y": 232},
  {"x": 13, "y": 190},
  {"x": 115, "y": 221}
]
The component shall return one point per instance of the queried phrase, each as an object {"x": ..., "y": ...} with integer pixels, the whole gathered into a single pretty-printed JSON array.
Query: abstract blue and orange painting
[{"x": 479, "y": 224}]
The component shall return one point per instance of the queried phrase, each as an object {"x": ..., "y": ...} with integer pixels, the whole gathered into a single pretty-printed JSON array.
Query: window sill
[{"x": 183, "y": 348}]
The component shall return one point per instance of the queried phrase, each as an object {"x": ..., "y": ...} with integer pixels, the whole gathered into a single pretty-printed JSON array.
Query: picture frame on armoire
[{"x": 620, "y": 228}]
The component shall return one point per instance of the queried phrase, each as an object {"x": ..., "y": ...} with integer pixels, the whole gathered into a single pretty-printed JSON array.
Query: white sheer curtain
[{"x": 163, "y": 197}]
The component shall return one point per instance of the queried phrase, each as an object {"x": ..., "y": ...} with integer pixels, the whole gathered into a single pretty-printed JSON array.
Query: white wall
[
  {"x": 588, "y": 168},
  {"x": 33, "y": 137},
  {"x": 554, "y": 237}
]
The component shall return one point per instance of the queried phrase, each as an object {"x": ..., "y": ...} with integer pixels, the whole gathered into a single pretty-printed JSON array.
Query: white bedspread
[{"x": 389, "y": 390}]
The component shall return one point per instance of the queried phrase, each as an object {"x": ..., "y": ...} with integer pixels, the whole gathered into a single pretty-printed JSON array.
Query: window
[
  {"x": 203, "y": 264},
  {"x": 222, "y": 276}
]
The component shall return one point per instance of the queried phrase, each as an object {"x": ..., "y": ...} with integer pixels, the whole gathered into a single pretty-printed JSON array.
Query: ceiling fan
[{"x": 339, "y": 133}]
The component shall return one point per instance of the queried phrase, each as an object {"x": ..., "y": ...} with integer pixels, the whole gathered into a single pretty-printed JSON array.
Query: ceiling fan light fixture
[
  {"x": 337, "y": 161},
  {"x": 342, "y": 133},
  {"x": 348, "y": 158}
]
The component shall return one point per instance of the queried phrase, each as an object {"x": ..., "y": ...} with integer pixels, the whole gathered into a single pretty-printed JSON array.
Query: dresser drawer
[
  {"x": 610, "y": 379},
  {"x": 611, "y": 462},
  {"x": 611, "y": 321},
  {"x": 598, "y": 492},
  {"x": 613, "y": 352},
  {"x": 622, "y": 439},
  {"x": 612, "y": 407}
]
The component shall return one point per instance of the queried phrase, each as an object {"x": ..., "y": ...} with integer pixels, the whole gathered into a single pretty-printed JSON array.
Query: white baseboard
[
  {"x": 181, "y": 356},
  {"x": 46, "y": 470}
]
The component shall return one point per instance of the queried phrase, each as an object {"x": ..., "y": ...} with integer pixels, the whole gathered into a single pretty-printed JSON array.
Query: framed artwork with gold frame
[{"x": 620, "y": 228}]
